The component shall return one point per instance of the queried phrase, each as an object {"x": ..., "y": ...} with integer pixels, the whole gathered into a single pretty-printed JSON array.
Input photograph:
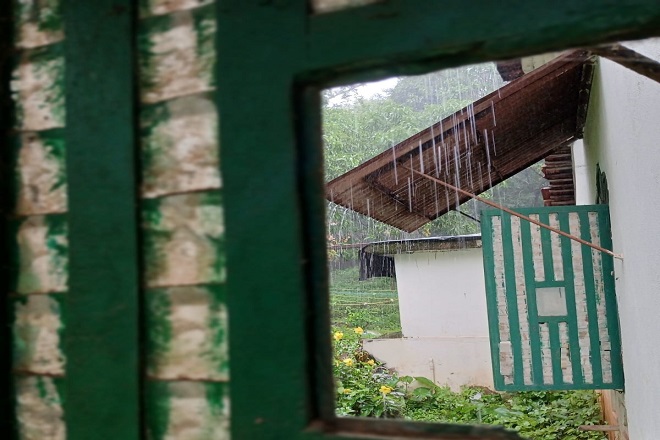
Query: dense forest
[{"x": 356, "y": 128}]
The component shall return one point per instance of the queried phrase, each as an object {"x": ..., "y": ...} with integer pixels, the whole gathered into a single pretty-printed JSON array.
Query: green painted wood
[
  {"x": 555, "y": 352},
  {"x": 269, "y": 170},
  {"x": 102, "y": 396},
  {"x": 7, "y": 419},
  {"x": 491, "y": 300},
  {"x": 512, "y": 303},
  {"x": 572, "y": 317},
  {"x": 569, "y": 290},
  {"x": 268, "y": 298},
  {"x": 589, "y": 284},
  {"x": 367, "y": 43},
  {"x": 546, "y": 245},
  {"x": 316, "y": 247},
  {"x": 532, "y": 309},
  {"x": 611, "y": 300}
]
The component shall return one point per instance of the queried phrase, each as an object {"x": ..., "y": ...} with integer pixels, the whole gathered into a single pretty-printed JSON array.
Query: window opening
[{"x": 370, "y": 163}]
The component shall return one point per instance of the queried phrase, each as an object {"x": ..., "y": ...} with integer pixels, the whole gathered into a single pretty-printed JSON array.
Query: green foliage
[
  {"x": 364, "y": 388},
  {"x": 367, "y": 388},
  {"x": 372, "y": 304},
  {"x": 542, "y": 415}
]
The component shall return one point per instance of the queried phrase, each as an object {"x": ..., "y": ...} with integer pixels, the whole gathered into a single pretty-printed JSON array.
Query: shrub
[{"x": 366, "y": 388}]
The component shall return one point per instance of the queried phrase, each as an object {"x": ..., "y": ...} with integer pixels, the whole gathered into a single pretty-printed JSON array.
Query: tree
[{"x": 356, "y": 129}]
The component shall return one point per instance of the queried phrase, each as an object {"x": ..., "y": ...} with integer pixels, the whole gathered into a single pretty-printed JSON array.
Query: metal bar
[
  {"x": 102, "y": 338},
  {"x": 524, "y": 217}
]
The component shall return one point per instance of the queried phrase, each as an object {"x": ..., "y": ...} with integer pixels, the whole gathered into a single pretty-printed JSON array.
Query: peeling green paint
[
  {"x": 40, "y": 176},
  {"x": 177, "y": 54},
  {"x": 39, "y": 408},
  {"x": 323, "y": 6},
  {"x": 37, "y": 329},
  {"x": 161, "y": 7},
  {"x": 37, "y": 22},
  {"x": 40, "y": 263},
  {"x": 187, "y": 411},
  {"x": 179, "y": 146},
  {"x": 187, "y": 333},
  {"x": 184, "y": 240},
  {"x": 38, "y": 91}
]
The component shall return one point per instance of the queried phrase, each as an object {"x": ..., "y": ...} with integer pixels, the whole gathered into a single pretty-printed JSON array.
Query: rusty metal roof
[{"x": 474, "y": 149}]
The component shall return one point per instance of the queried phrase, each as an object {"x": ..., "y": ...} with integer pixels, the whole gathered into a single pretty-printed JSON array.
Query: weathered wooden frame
[{"x": 274, "y": 58}]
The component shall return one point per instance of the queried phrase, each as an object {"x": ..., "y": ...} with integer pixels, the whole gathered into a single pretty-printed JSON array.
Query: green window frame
[{"x": 274, "y": 58}]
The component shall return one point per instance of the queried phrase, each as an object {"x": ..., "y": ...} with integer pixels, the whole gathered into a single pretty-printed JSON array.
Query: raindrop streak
[
  {"x": 492, "y": 112},
  {"x": 435, "y": 154},
  {"x": 421, "y": 157},
  {"x": 396, "y": 175}
]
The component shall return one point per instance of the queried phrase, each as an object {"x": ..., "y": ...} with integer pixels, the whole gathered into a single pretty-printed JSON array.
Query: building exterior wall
[
  {"x": 621, "y": 137},
  {"x": 442, "y": 302},
  {"x": 442, "y": 294}
]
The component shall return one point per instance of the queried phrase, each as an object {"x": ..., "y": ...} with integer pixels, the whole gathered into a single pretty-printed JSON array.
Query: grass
[{"x": 372, "y": 304}]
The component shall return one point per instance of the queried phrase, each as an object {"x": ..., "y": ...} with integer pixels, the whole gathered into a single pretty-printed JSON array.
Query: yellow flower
[
  {"x": 358, "y": 330},
  {"x": 338, "y": 336},
  {"x": 371, "y": 362},
  {"x": 348, "y": 362},
  {"x": 385, "y": 389},
  {"x": 347, "y": 391}
]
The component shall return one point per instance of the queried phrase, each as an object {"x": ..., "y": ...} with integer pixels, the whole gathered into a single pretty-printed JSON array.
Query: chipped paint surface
[
  {"x": 160, "y": 7},
  {"x": 38, "y": 22},
  {"x": 39, "y": 409},
  {"x": 180, "y": 146},
  {"x": 40, "y": 173},
  {"x": 188, "y": 411},
  {"x": 37, "y": 86},
  {"x": 187, "y": 333},
  {"x": 184, "y": 236},
  {"x": 321, "y": 6},
  {"x": 177, "y": 55},
  {"x": 37, "y": 327},
  {"x": 42, "y": 255},
  {"x": 569, "y": 346},
  {"x": 183, "y": 226}
]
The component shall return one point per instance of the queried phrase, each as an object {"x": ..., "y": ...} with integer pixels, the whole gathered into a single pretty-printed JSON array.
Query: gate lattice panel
[{"x": 551, "y": 301}]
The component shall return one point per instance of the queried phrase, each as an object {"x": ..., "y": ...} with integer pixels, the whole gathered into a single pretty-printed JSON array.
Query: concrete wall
[
  {"x": 623, "y": 135},
  {"x": 442, "y": 299},
  {"x": 442, "y": 293},
  {"x": 451, "y": 361}
]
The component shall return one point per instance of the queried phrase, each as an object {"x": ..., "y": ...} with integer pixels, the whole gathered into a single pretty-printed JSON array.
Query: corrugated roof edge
[{"x": 446, "y": 243}]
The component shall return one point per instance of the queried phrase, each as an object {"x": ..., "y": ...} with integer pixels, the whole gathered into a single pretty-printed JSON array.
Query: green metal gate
[{"x": 552, "y": 308}]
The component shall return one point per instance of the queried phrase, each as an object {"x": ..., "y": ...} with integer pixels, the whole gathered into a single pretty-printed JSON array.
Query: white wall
[
  {"x": 442, "y": 293},
  {"x": 447, "y": 361},
  {"x": 442, "y": 300},
  {"x": 623, "y": 135}
]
